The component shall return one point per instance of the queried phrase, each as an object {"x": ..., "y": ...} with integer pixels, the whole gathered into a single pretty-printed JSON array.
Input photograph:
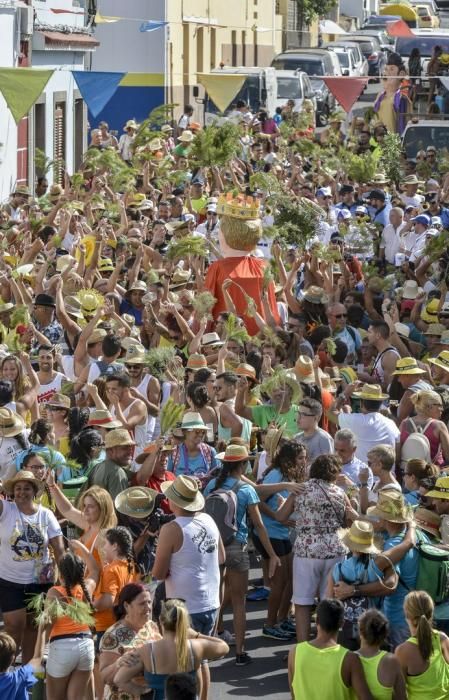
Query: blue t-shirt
[
  {"x": 127, "y": 308},
  {"x": 412, "y": 498},
  {"x": 246, "y": 496},
  {"x": 352, "y": 570},
  {"x": 275, "y": 530},
  {"x": 192, "y": 466},
  {"x": 14, "y": 685},
  {"x": 407, "y": 569}
]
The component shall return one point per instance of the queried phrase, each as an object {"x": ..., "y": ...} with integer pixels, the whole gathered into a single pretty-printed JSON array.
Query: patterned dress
[
  {"x": 119, "y": 639},
  {"x": 319, "y": 514}
]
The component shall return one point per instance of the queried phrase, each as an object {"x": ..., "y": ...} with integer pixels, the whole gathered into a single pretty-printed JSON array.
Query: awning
[
  {"x": 54, "y": 40},
  {"x": 327, "y": 26}
]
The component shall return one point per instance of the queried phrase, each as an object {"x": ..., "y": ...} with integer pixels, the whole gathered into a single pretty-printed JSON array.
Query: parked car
[
  {"x": 418, "y": 135},
  {"x": 385, "y": 40},
  {"x": 352, "y": 60},
  {"x": 314, "y": 62},
  {"x": 373, "y": 53},
  {"x": 428, "y": 14},
  {"x": 379, "y": 21},
  {"x": 294, "y": 85},
  {"x": 425, "y": 40}
]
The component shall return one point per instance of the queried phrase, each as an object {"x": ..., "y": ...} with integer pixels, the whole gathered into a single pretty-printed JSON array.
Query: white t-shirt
[
  {"x": 24, "y": 542},
  {"x": 370, "y": 430},
  {"x": 9, "y": 449}
]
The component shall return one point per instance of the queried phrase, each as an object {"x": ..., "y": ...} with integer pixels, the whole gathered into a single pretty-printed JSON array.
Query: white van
[{"x": 293, "y": 85}]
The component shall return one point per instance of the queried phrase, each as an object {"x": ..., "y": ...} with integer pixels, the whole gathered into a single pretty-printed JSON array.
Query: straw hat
[
  {"x": 410, "y": 290},
  {"x": 196, "y": 361},
  {"x": 304, "y": 370},
  {"x": 59, "y": 400},
  {"x": 22, "y": 475},
  {"x": 402, "y": 329},
  {"x": 155, "y": 144},
  {"x": 73, "y": 307},
  {"x": 272, "y": 440},
  {"x": 233, "y": 453},
  {"x": 441, "y": 489},
  {"x": 327, "y": 384},
  {"x": 370, "y": 392},
  {"x": 118, "y": 438},
  {"x": 407, "y": 365},
  {"x": 411, "y": 180},
  {"x": 89, "y": 300},
  {"x": 63, "y": 261},
  {"x": 180, "y": 277},
  {"x": 428, "y": 520},
  {"x": 315, "y": 295},
  {"x": 136, "y": 502},
  {"x": 435, "y": 329},
  {"x": 184, "y": 492},
  {"x": 135, "y": 355},
  {"x": 131, "y": 124},
  {"x": 245, "y": 370},
  {"x": 211, "y": 340},
  {"x": 100, "y": 418},
  {"x": 186, "y": 136},
  {"x": 11, "y": 423},
  {"x": 151, "y": 449},
  {"x": 106, "y": 265},
  {"x": 166, "y": 128},
  {"x": 192, "y": 420},
  {"x": 379, "y": 179},
  {"x": 392, "y": 507},
  {"x": 138, "y": 286},
  {"x": 442, "y": 360},
  {"x": 359, "y": 537},
  {"x": 97, "y": 335},
  {"x": 128, "y": 342}
]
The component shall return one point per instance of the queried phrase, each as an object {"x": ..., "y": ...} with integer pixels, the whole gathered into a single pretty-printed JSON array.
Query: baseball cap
[
  {"x": 422, "y": 219},
  {"x": 323, "y": 192},
  {"x": 344, "y": 214},
  {"x": 361, "y": 209},
  {"x": 346, "y": 189},
  {"x": 212, "y": 208},
  {"x": 377, "y": 194}
]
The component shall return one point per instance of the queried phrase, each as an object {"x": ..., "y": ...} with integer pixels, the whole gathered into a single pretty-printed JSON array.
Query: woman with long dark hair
[{"x": 71, "y": 649}]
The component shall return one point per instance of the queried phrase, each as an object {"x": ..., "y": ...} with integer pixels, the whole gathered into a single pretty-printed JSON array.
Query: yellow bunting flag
[
  {"x": 99, "y": 19},
  {"x": 21, "y": 87},
  {"x": 221, "y": 87}
]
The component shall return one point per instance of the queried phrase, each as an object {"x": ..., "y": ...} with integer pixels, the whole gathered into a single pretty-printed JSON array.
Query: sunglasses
[
  {"x": 340, "y": 315},
  {"x": 128, "y": 366}
]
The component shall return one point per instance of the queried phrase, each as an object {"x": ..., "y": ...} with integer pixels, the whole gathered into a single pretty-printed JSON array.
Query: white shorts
[
  {"x": 68, "y": 655},
  {"x": 310, "y": 578}
]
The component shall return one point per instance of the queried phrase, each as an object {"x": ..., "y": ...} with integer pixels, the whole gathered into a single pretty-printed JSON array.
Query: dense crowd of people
[{"x": 153, "y": 449}]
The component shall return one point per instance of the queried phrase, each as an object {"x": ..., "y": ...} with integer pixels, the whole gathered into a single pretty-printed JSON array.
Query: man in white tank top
[
  {"x": 50, "y": 380},
  {"x": 131, "y": 412},
  {"x": 188, "y": 556},
  {"x": 147, "y": 386},
  {"x": 387, "y": 355}
]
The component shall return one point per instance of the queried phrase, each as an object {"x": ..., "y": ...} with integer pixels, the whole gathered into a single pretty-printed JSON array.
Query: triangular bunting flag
[
  {"x": 444, "y": 81},
  {"x": 399, "y": 28},
  {"x": 151, "y": 25},
  {"x": 99, "y": 19},
  {"x": 21, "y": 87},
  {"x": 97, "y": 88},
  {"x": 346, "y": 90},
  {"x": 221, "y": 88}
]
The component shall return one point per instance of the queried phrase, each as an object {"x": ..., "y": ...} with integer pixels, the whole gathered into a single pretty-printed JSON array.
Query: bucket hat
[
  {"x": 407, "y": 365},
  {"x": 22, "y": 475},
  {"x": 392, "y": 507},
  {"x": 184, "y": 492},
  {"x": 118, "y": 438},
  {"x": 192, "y": 421},
  {"x": 359, "y": 537},
  {"x": 136, "y": 502},
  {"x": 11, "y": 423}
]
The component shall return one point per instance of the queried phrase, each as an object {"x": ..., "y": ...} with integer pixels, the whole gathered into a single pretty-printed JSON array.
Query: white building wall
[
  {"x": 8, "y": 130},
  {"x": 123, "y": 47}
]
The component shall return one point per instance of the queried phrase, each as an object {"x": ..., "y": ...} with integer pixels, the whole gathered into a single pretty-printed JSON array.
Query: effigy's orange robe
[{"x": 247, "y": 271}]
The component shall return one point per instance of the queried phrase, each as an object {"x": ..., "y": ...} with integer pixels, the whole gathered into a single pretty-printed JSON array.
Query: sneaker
[
  {"x": 257, "y": 583},
  {"x": 258, "y": 594},
  {"x": 243, "y": 659},
  {"x": 276, "y": 633},
  {"x": 227, "y": 637},
  {"x": 288, "y": 626}
]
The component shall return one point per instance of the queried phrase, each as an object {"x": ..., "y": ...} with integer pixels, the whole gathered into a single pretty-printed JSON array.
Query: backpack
[
  {"x": 416, "y": 445},
  {"x": 221, "y": 505},
  {"x": 433, "y": 570}
]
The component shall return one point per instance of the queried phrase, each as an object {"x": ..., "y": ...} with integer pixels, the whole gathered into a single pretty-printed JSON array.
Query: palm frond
[
  {"x": 234, "y": 331},
  {"x": 189, "y": 245},
  {"x": 170, "y": 416},
  {"x": 203, "y": 304}
]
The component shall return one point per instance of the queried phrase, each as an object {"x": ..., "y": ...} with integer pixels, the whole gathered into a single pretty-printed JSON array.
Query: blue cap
[
  {"x": 323, "y": 192},
  {"x": 344, "y": 214},
  {"x": 422, "y": 219}
]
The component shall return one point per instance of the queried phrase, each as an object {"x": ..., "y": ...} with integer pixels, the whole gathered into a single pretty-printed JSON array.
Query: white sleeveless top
[
  {"x": 142, "y": 388},
  {"x": 46, "y": 391},
  {"x": 194, "y": 570}
]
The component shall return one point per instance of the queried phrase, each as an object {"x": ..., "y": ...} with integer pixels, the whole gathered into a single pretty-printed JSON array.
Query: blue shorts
[{"x": 204, "y": 622}]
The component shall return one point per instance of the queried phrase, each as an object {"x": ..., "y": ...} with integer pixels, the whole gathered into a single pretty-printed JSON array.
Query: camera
[{"x": 158, "y": 517}]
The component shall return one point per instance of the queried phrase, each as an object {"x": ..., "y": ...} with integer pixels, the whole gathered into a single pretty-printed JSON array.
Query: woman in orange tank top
[{"x": 71, "y": 650}]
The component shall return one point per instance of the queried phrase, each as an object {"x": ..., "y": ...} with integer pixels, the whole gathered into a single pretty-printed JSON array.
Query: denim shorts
[
  {"x": 68, "y": 655},
  {"x": 204, "y": 622},
  {"x": 237, "y": 557}
]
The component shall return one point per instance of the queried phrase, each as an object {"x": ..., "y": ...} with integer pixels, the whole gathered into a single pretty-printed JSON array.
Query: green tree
[{"x": 308, "y": 10}]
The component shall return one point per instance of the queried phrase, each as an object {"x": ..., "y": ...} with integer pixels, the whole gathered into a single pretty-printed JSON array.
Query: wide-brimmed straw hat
[
  {"x": 184, "y": 492},
  {"x": 151, "y": 449},
  {"x": 22, "y": 475},
  {"x": 248, "y": 371},
  {"x": 315, "y": 295},
  {"x": 435, "y": 329},
  {"x": 136, "y": 502},
  {"x": 192, "y": 420},
  {"x": 196, "y": 361},
  {"x": 441, "y": 489},
  {"x": 119, "y": 437},
  {"x": 100, "y": 418},
  {"x": 391, "y": 507},
  {"x": 428, "y": 520},
  {"x": 59, "y": 400},
  {"x": 370, "y": 392},
  {"x": 233, "y": 453},
  {"x": 11, "y": 423},
  {"x": 359, "y": 537},
  {"x": 304, "y": 370},
  {"x": 407, "y": 365},
  {"x": 135, "y": 355},
  {"x": 441, "y": 360},
  {"x": 186, "y": 136},
  {"x": 411, "y": 180}
]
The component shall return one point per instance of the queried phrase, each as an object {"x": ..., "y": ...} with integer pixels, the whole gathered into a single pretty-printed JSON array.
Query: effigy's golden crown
[{"x": 240, "y": 206}]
